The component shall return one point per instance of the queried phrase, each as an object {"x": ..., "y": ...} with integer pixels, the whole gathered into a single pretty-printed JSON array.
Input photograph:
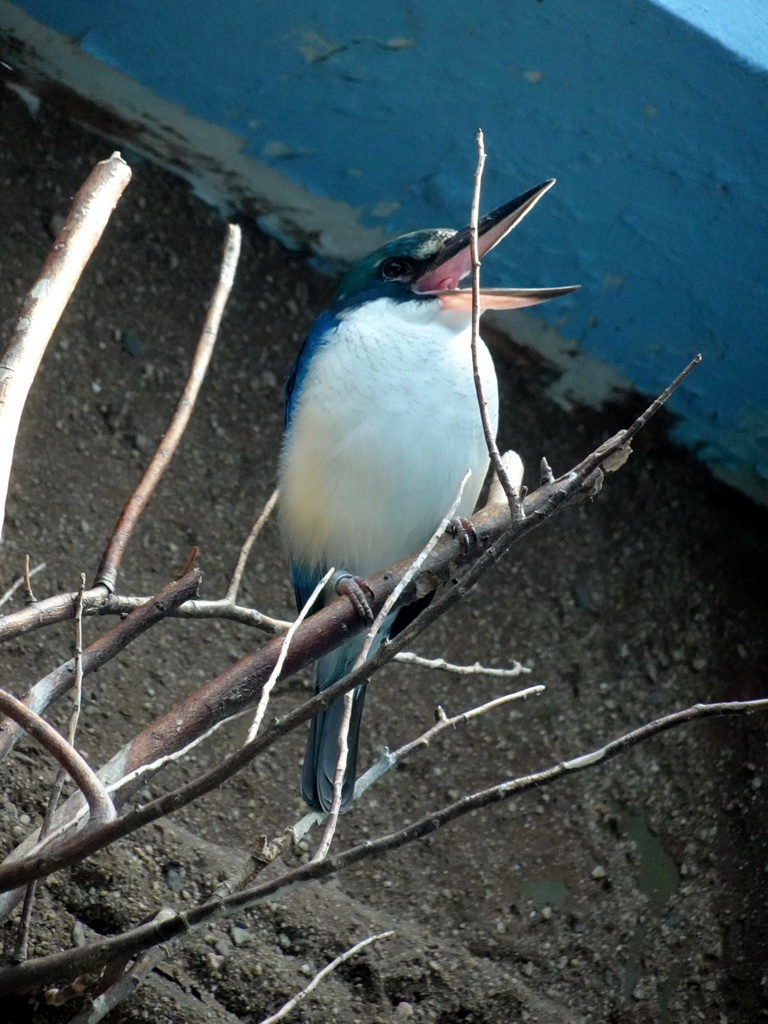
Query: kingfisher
[{"x": 382, "y": 423}]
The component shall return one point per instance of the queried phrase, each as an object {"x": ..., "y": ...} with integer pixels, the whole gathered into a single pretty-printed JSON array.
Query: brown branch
[
  {"x": 64, "y": 753},
  {"x": 239, "y": 685},
  {"x": 115, "y": 549},
  {"x": 44, "y": 304},
  {"x": 101, "y": 651},
  {"x": 58, "y": 967}
]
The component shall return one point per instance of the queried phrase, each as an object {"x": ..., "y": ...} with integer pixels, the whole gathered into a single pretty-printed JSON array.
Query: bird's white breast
[{"x": 385, "y": 425}]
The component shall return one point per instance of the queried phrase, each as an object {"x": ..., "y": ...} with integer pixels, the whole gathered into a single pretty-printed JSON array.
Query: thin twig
[
  {"x": 82, "y": 774},
  {"x": 44, "y": 304},
  {"x": 113, "y": 553},
  {"x": 22, "y": 941},
  {"x": 389, "y": 759},
  {"x": 301, "y": 996},
  {"x": 409, "y": 658},
  {"x": 275, "y": 673},
  {"x": 339, "y": 772},
  {"x": 97, "y": 601},
  {"x": 58, "y": 967},
  {"x": 513, "y": 496},
  {"x": 245, "y": 550},
  {"x": 22, "y": 581}
]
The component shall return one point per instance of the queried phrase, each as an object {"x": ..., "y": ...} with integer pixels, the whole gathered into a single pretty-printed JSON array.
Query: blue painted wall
[{"x": 657, "y": 133}]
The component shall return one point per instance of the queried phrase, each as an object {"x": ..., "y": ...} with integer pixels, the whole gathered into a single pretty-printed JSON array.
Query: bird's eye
[{"x": 395, "y": 269}]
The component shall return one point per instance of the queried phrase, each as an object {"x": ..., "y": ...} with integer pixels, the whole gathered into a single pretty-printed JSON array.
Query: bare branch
[
  {"x": 388, "y": 759},
  {"x": 97, "y": 601},
  {"x": 301, "y": 996},
  {"x": 275, "y": 673},
  {"x": 110, "y": 560},
  {"x": 81, "y": 773},
  {"x": 219, "y": 608},
  {"x": 128, "y": 980},
  {"x": 44, "y": 304},
  {"x": 62, "y": 966},
  {"x": 237, "y": 575},
  {"x": 513, "y": 496},
  {"x": 409, "y": 658}
]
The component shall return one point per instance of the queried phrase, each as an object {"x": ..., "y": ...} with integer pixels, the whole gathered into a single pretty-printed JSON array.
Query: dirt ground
[{"x": 632, "y": 893}]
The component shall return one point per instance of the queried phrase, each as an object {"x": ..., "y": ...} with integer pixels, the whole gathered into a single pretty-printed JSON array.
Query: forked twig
[
  {"x": 389, "y": 759},
  {"x": 113, "y": 553}
]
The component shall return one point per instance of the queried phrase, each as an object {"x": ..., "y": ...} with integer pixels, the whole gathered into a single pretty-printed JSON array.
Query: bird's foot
[
  {"x": 464, "y": 532},
  {"x": 358, "y": 592}
]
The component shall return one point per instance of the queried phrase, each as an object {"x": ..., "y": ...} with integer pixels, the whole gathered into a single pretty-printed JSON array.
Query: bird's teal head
[{"x": 429, "y": 265}]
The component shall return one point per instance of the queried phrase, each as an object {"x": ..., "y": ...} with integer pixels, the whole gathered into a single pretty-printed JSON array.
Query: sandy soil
[{"x": 634, "y": 893}]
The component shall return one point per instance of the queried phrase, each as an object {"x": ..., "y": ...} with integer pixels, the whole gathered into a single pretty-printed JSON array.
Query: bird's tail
[{"x": 323, "y": 743}]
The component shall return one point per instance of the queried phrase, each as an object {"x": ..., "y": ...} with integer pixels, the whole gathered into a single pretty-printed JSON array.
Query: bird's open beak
[{"x": 454, "y": 261}]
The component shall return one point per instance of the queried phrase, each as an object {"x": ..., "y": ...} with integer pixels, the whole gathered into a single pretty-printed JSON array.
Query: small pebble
[{"x": 239, "y": 935}]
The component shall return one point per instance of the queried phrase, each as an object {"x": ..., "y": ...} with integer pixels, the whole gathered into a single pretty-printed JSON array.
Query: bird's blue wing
[
  {"x": 319, "y": 334},
  {"x": 304, "y": 582},
  {"x": 305, "y": 578}
]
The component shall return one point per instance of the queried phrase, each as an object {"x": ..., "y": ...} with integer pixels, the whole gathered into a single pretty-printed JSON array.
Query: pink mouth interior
[{"x": 446, "y": 277}]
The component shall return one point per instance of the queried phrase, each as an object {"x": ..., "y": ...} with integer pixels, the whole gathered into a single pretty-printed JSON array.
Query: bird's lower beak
[{"x": 454, "y": 261}]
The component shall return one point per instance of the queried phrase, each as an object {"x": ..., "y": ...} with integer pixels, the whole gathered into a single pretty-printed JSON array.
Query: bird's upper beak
[{"x": 454, "y": 261}]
